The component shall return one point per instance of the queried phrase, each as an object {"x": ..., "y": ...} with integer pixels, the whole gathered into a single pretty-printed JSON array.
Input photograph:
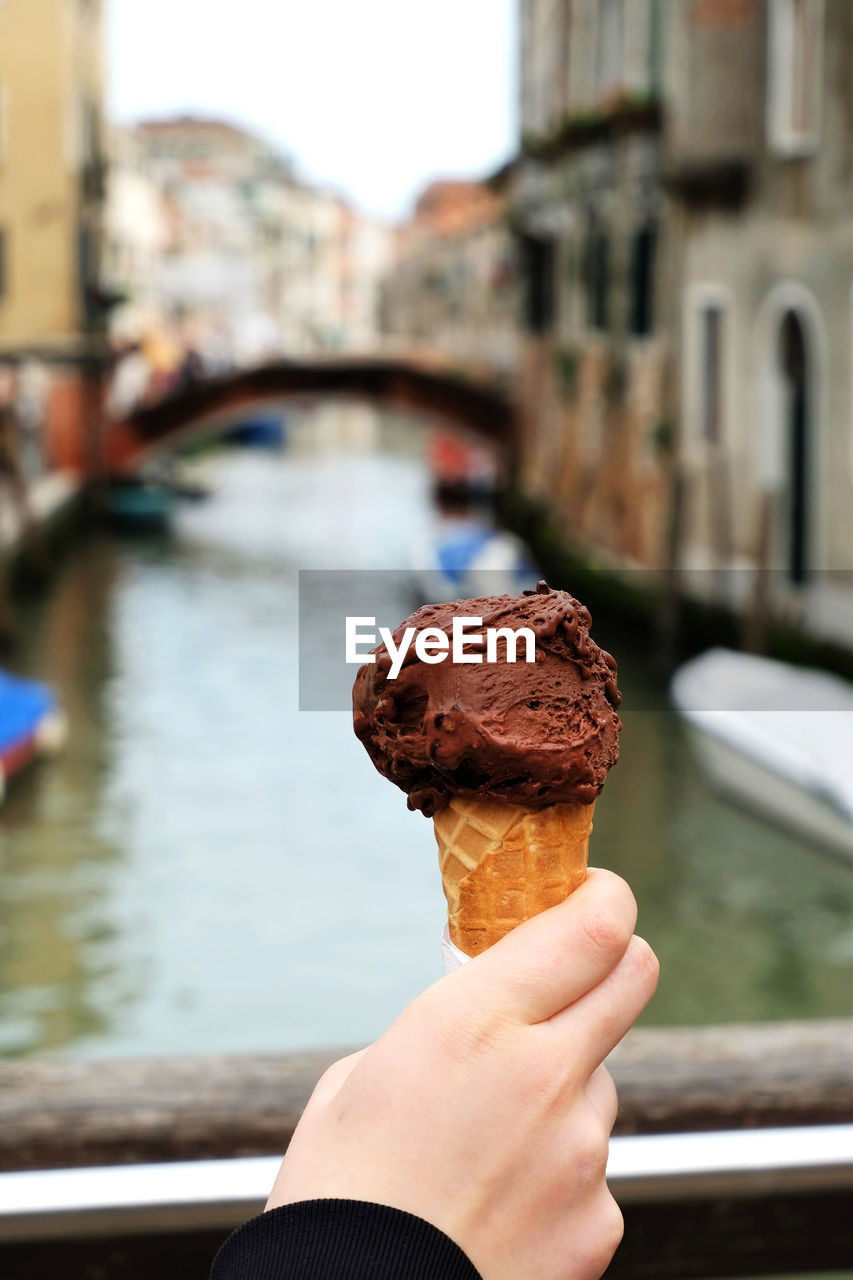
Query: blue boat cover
[
  {"x": 456, "y": 555},
  {"x": 23, "y": 706}
]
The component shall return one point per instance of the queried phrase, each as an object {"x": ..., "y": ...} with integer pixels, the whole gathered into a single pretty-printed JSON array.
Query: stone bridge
[{"x": 473, "y": 403}]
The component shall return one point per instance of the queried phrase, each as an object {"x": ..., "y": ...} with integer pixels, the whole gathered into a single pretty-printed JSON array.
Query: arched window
[{"x": 793, "y": 367}]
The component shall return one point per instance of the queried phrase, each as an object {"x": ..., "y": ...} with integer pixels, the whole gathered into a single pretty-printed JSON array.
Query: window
[
  {"x": 655, "y": 66},
  {"x": 568, "y": 279},
  {"x": 642, "y": 281},
  {"x": 538, "y": 259},
  {"x": 711, "y": 326},
  {"x": 4, "y": 124},
  {"x": 597, "y": 278},
  {"x": 90, "y": 131},
  {"x": 795, "y": 49},
  {"x": 88, "y": 271},
  {"x": 609, "y": 47},
  {"x": 544, "y": 63}
]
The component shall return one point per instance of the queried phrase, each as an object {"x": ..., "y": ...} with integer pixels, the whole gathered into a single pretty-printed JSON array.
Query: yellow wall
[{"x": 50, "y": 63}]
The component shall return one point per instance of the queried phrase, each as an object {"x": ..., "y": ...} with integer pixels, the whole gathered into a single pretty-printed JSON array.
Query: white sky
[{"x": 373, "y": 97}]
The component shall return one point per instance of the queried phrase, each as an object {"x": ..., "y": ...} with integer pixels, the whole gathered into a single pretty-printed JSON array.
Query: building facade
[
  {"x": 765, "y": 301},
  {"x": 589, "y": 209},
  {"x": 682, "y": 203},
  {"x": 453, "y": 288},
  {"x": 258, "y": 260},
  {"x": 51, "y": 169},
  {"x": 53, "y": 310},
  {"x": 137, "y": 231}
]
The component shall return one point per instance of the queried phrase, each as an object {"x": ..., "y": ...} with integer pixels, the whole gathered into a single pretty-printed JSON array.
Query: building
[
  {"x": 765, "y": 289},
  {"x": 367, "y": 255},
  {"x": 51, "y": 170},
  {"x": 682, "y": 201},
  {"x": 252, "y": 257},
  {"x": 53, "y": 310},
  {"x": 216, "y": 271},
  {"x": 588, "y": 206},
  {"x": 452, "y": 290},
  {"x": 136, "y": 235}
]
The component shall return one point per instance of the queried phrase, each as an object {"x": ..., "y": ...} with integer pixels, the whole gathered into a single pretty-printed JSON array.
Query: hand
[{"x": 485, "y": 1108}]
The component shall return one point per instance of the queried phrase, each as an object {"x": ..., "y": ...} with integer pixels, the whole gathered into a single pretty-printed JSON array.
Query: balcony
[{"x": 590, "y": 128}]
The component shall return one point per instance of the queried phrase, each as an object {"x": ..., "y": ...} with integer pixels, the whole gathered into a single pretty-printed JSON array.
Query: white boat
[{"x": 775, "y": 738}]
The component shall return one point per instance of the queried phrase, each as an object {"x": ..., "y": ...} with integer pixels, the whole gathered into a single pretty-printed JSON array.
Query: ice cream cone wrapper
[
  {"x": 451, "y": 957},
  {"x": 502, "y": 864}
]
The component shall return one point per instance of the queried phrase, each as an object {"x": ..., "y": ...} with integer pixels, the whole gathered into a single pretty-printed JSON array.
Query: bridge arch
[{"x": 475, "y": 405}]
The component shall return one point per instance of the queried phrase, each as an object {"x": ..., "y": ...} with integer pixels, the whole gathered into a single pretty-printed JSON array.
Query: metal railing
[
  {"x": 656, "y": 1178},
  {"x": 733, "y": 1154}
]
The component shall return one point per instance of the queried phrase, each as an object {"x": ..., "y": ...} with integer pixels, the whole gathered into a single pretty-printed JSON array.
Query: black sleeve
[{"x": 340, "y": 1240}]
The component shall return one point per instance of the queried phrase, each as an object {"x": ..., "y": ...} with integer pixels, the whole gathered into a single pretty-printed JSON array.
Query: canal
[{"x": 208, "y": 868}]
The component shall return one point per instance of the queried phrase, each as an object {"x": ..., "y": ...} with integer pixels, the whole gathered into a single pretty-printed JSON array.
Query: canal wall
[
  {"x": 53, "y": 504},
  {"x": 35, "y": 531},
  {"x": 668, "y": 614},
  {"x": 34, "y": 534},
  {"x": 52, "y": 402}
]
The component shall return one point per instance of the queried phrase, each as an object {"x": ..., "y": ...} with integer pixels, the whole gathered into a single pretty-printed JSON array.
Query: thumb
[{"x": 550, "y": 961}]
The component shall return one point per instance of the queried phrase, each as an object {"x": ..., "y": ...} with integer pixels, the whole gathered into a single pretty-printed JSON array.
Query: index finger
[
  {"x": 595, "y": 1024},
  {"x": 549, "y": 962}
]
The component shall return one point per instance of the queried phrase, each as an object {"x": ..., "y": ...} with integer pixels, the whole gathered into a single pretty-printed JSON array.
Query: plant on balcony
[
  {"x": 662, "y": 438},
  {"x": 615, "y": 383},
  {"x": 567, "y": 367},
  {"x": 624, "y": 114}
]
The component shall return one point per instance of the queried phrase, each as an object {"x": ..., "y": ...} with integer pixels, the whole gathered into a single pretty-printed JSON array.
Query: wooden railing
[
  {"x": 70, "y": 1114},
  {"x": 65, "y": 1114}
]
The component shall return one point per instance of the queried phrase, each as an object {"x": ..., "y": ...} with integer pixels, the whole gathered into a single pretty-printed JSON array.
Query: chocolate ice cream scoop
[{"x": 532, "y": 734}]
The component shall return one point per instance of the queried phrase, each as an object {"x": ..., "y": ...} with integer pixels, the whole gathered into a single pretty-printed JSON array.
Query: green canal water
[{"x": 208, "y": 868}]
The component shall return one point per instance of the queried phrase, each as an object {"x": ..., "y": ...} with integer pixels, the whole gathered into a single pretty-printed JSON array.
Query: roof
[{"x": 451, "y": 206}]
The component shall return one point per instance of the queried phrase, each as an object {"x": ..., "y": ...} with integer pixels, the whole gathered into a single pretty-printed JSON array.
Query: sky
[{"x": 372, "y": 97}]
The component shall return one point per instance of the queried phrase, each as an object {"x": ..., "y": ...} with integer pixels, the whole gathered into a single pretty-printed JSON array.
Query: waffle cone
[{"x": 501, "y": 864}]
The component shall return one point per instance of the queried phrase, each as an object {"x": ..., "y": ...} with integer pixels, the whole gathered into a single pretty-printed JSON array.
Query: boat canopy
[{"x": 24, "y": 704}]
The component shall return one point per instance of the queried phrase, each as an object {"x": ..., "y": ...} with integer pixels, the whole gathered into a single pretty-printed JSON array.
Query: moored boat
[
  {"x": 775, "y": 738},
  {"x": 31, "y": 724},
  {"x": 137, "y": 504},
  {"x": 260, "y": 431},
  {"x": 469, "y": 557}
]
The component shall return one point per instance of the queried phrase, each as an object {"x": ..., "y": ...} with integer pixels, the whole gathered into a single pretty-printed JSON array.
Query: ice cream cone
[{"x": 502, "y": 864}]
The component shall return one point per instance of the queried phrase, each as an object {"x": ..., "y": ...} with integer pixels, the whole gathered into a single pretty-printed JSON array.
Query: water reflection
[
  {"x": 748, "y": 923},
  {"x": 206, "y": 868},
  {"x": 57, "y": 938}
]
